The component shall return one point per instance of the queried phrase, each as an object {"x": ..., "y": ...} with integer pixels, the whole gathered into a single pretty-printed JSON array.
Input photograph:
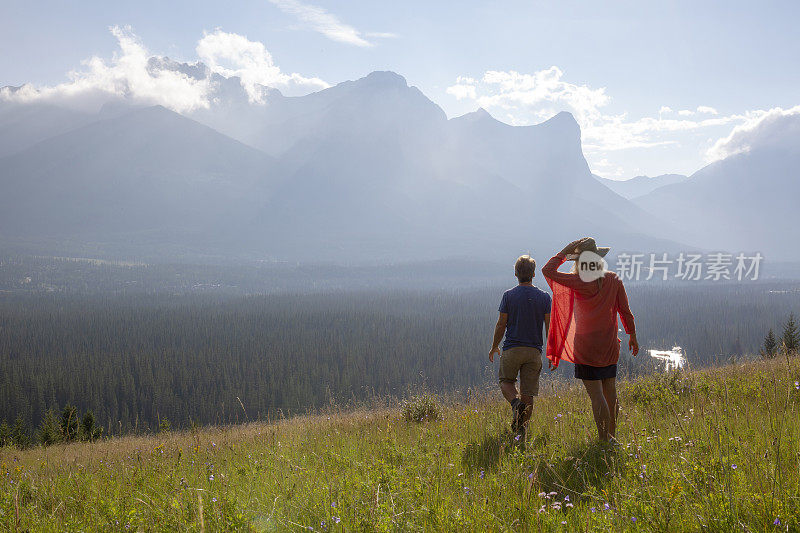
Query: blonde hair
[{"x": 524, "y": 268}]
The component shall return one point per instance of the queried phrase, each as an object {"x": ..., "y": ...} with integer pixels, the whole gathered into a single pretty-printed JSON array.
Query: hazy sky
[{"x": 653, "y": 86}]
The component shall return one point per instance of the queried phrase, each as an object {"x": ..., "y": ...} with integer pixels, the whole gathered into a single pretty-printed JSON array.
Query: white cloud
[
  {"x": 126, "y": 76},
  {"x": 323, "y": 22},
  {"x": 608, "y": 169},
  {"x": 538, "y": 93},
  {"x": 611, "y": 133},
  {"x": 465, "y": 88},
  {"x": 706, "y": 110},
  {"x": 522, "y": 99},
  {"x": 776, "y": 128},
  {"x": 530, "y": 98},
  {"x": 230, "y": 54},
  {"x": 136, "y": 76}
]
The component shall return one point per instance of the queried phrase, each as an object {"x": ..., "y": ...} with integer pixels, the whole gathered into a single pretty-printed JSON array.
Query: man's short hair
[{"x": 524, "y": 268}]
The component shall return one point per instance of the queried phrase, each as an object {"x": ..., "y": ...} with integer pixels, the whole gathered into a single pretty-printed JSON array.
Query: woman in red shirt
[{"x": 583, "y": 329}]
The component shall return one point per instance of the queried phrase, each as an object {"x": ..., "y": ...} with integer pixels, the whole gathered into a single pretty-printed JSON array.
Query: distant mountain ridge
[
  {"x": 640, "y": 185},
  {"x": 367, "y": 170},
  {"x": 747, "y": 202},
  {"x": 131, "y": 177}
]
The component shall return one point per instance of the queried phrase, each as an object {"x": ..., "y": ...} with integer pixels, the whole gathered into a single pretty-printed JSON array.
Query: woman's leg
[
  {"x": 602, "y": 415},
  {"x": 610, "y": 394}
]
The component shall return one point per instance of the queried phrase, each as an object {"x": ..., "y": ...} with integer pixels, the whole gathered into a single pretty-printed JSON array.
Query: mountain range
[
  {"x": 640, "y": 185},
  {"x": 369, "y": 170}
]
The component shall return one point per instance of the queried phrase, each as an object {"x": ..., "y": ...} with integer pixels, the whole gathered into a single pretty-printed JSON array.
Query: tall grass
[{"x": 716, "y": 450}]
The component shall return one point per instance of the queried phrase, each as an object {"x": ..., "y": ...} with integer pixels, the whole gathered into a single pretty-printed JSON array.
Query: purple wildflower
[
  {"x": 482, "y": 474},
  {"x": 336, "y": 519},
  {"x": 777, "y": 521}
]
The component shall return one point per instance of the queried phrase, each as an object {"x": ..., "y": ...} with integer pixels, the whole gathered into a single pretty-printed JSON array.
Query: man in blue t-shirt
[{"x": 523, "y": 311}]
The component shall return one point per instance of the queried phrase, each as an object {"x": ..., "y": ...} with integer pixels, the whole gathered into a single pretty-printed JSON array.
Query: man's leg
[
  {"x": 508, "y": 375},
  {"x": 610, "y": 394},
  {"x": 509, "y": 368},
  {"x": 529, "y": 374},
  {"x": 602, "y": 415},
  {"x": 509, "y": 390},
  {"x": 527, "y": 399}
]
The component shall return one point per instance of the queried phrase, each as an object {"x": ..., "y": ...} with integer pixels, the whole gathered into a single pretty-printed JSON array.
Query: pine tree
[
  {"x": 790, "y": 337},
  {"x": 50, "y": 429},
  {"x": 89, "y": 431},
  {"x": 69, "y": 423},
  {"x": 19, "y": 434},
  {"x": 770, "y": 345},
  {"x": 5, "y": 435}
]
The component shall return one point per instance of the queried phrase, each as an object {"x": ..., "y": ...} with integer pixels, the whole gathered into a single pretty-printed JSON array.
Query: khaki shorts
[{"x": 525, "y": 361}]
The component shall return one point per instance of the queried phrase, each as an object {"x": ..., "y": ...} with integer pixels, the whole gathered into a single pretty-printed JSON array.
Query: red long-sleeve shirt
[{"x": 583, "y": 319}]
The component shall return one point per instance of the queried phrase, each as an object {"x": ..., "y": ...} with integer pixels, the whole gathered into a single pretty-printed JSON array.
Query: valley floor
[{"x": 715, "y": 450}]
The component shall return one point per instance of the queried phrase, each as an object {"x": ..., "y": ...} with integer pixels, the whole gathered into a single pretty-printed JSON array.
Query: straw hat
[{"x": 588, "y": 244}]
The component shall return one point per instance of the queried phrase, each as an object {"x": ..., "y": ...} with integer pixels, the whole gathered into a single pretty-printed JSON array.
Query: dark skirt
[{"x": 595, "y": 372}]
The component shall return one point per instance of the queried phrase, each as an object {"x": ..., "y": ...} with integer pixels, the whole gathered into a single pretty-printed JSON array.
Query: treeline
[
  {"x": 190, "y": 359},
  {"x": 28, "y": 274},
  {"x": 138, "y": 360},
  {"x": 64, "y": 428}
]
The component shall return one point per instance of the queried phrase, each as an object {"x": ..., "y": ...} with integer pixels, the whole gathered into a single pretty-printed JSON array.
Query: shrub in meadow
[{"x": 420, "y": 408}]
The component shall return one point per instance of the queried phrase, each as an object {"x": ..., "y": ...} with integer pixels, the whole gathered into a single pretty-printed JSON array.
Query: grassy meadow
[{"x": 713, "y": 450}]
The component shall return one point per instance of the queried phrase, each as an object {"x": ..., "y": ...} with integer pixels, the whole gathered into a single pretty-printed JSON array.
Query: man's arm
[{"x": 499, "y": 331}]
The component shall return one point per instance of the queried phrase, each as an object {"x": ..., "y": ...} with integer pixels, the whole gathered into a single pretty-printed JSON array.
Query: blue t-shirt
[{"x": 526, "y": 306}]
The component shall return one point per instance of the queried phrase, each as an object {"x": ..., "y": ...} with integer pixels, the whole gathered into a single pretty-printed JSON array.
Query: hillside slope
[
  {"x": 142, "y": 175},
  {"x": 714, "y": 450}
]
